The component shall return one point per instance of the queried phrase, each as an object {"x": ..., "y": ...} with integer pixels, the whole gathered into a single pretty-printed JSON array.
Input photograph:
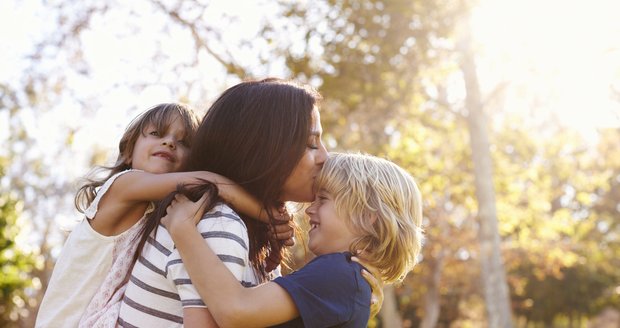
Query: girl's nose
[{"x": 169, "y": 142}]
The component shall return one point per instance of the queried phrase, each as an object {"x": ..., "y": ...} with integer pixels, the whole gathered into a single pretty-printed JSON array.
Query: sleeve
[
  {"x": 324, "y": 290},
  {"x": 227, "y": 236}
]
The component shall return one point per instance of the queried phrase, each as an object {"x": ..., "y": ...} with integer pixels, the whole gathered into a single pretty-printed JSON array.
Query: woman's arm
[{"x": 231, "y": 304}]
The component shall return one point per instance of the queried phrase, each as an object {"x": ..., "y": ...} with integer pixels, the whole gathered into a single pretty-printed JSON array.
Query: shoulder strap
[{"x": 92, "y": 209}]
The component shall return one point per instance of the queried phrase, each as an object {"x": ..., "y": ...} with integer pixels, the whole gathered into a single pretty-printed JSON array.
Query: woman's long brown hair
[{"x": 255, "y": 133}]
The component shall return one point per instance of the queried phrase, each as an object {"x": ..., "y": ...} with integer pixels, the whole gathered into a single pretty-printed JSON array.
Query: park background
[{"x": 506, "y": 112}]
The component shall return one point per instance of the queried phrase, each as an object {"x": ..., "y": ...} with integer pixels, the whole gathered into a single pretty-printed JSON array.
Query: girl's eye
[
  {"x": 154, "y": 133},
  {"x": 184, "y": 143}
]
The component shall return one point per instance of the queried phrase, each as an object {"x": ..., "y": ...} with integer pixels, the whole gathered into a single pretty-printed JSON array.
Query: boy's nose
[{"x": 310, "y": 209}]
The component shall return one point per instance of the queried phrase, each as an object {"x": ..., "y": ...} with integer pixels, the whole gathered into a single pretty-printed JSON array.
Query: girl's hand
[
  {"x": 281, "y": 234},
  {"x": 376, "y": 300},
  {"x": 283, "y": 228},
  {"x": 182, "y": 213}
]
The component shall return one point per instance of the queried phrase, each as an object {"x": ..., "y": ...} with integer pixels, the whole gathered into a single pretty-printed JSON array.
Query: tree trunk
[
  {"x": 431, "y": 298},
  {"x": 390, "y": 317},
  {"x": 493, "y": 276}
]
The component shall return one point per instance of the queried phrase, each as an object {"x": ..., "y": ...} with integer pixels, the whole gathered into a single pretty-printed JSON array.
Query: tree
[
  {"x": 15, "y": 263},
  {"x": 493, "y": 273}
]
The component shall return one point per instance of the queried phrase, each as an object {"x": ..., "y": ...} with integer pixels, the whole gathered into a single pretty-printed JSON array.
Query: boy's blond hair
[{"x": 381, "y": 202}]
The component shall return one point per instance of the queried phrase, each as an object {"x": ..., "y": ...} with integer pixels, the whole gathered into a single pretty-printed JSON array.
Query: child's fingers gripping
[
  {"x": 283, "y": 231},
  {"x": 376, "y": 299},
  {"x": 183, "y": 210},
  {"x": 371, "y": 273},
  {"x": 284, "y": 227},
  {"x": 283, "y": 215}
]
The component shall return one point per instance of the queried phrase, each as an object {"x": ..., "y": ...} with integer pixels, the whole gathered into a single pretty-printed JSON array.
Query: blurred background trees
[{"x": 394, "y": 84}]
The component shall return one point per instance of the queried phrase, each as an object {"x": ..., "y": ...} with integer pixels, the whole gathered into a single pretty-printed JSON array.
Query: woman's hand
[
  {"x": 376, "y": 300},
  {"x": 182, "y": 213}
]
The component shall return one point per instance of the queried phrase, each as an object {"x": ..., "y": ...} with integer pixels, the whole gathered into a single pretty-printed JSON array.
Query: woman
[{"x": 264, "y": 135}]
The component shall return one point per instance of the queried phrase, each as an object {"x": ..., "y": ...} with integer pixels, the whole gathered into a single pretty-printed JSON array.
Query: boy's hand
[
  {"x": 182, "y": 213},
  {"x": 376, "y": 300}
]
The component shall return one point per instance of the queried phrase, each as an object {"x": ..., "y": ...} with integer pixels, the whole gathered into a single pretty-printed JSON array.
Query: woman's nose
[{"x": 323, "y": 154}]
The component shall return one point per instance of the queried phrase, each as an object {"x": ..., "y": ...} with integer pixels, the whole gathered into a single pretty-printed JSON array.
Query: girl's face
[
  {"x": 299, "y": 186},
  {"x": 160, "y": 151},
  {"x": 328, "y": 232}
]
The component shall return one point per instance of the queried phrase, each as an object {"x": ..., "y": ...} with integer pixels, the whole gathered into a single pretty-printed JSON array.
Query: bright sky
[{"x": 566, "y": 52}]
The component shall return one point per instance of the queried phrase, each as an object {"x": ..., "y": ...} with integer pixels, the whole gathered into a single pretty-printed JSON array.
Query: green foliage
[
  {"x": 369, "y": 58},
  {"x": 15, "y": 264}
]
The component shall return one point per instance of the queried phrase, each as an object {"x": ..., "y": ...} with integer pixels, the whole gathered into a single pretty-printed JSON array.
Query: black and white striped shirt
[{"x": 159, "y": 287}]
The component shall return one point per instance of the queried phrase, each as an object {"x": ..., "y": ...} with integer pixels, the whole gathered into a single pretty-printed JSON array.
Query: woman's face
[{"x": 299, "y": 186}]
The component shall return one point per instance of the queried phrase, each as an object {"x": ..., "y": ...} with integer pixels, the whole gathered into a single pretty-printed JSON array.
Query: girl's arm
[
  {"x": 123, "y": 205},
  {"x": 229, "y": 303},
  {"x": 138, "y": 186}
]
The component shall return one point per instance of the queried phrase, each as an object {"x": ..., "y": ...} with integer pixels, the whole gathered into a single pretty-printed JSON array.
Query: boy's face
[
  {"x": 157, "y": 153},
  {"x": 328, "y": 233}
]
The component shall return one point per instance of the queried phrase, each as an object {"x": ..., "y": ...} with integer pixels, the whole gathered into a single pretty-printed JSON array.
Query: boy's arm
[
  {"x": 230, "y": 303},
  {"x": 198, "y": 318}
]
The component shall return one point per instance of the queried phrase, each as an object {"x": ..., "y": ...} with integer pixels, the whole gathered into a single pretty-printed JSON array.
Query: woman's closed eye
[{"x": 313, "y": 142}]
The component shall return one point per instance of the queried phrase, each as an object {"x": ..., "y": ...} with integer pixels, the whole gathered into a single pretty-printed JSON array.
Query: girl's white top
[{"x": 87, "y": 278}]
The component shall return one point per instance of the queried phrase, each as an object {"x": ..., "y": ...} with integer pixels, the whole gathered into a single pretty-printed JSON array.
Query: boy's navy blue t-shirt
[{"x": 329, "y": 291}]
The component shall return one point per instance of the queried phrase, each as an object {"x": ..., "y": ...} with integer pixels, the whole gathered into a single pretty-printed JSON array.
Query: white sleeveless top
[{"x": 85, "y": 283}]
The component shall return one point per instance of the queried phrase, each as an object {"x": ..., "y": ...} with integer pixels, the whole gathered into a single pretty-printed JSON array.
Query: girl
[
  {"x": 89, "y": 277},
  {"x": 363, "y": 203},
  {"x": 265, "y": 136}
]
